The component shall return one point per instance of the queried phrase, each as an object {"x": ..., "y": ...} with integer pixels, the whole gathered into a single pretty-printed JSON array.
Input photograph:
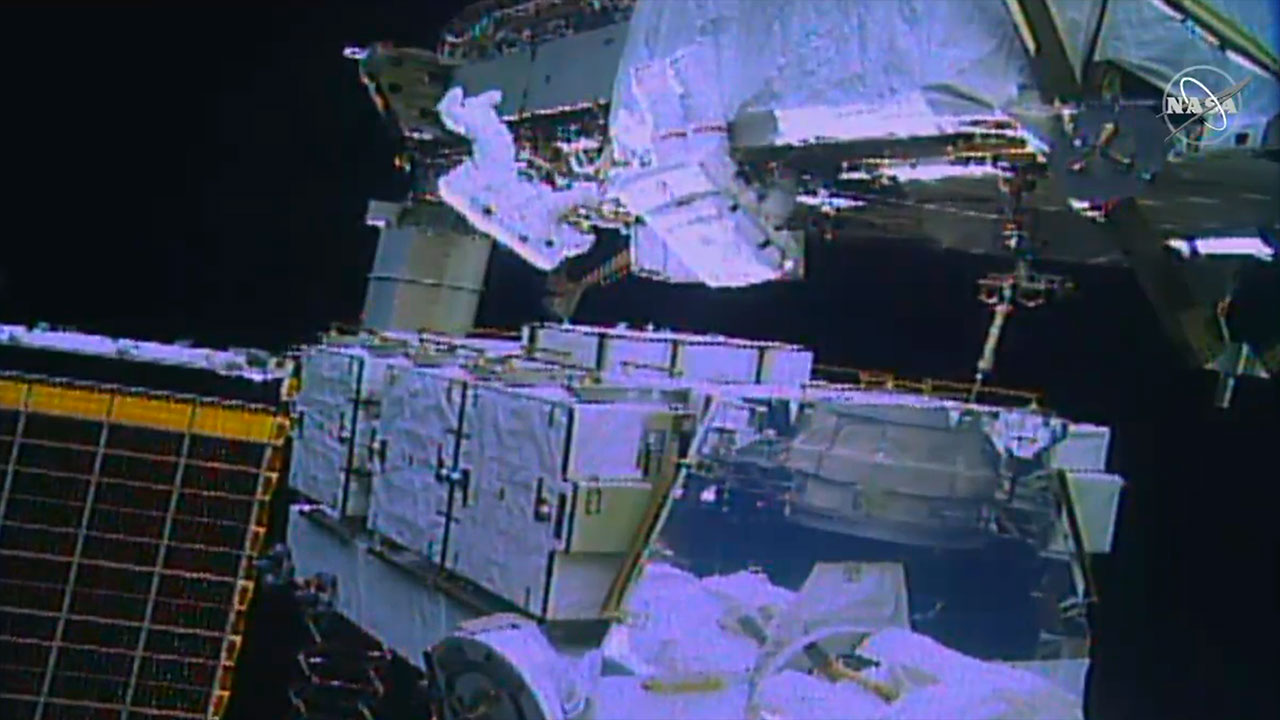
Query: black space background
[{"x": 203, "y": 174}]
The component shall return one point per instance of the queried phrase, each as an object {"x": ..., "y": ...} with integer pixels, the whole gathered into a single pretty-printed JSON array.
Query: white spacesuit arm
[{"x": 527, "y": 217}]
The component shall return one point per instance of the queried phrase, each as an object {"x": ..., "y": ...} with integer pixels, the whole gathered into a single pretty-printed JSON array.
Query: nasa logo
[{"x": 1188, "y": 98}]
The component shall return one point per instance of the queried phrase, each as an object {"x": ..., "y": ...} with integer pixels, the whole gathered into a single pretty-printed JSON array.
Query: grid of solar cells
[{"x": 124, "y": 556}]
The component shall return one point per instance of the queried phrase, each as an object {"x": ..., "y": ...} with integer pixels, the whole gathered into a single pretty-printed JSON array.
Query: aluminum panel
[
  {"x": 384, "y": 599},
  {"x": 575, "y": 69},
  {"x": 607, "y": 441},
  {"x": 718, "y": 362},
  {"x": 1096, "y": 497},
  {"x": 786, "y": 366},
  {"x": 580, "y": 583},
  {"x": 508, "y": 73},
  {"x": 636, "y": 356},
  {"x": 566, "y": 344},
  {"x": 1085, "y": 448}
]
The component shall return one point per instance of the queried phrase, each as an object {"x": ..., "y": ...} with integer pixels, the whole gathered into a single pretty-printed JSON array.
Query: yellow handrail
[{"x": 879, "y": 380}]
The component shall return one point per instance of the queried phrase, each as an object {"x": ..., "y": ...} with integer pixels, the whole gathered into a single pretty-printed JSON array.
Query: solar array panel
[{"x": 128, "y": 525}]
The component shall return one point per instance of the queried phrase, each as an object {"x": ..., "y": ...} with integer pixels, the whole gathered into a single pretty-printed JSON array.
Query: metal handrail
[{"x": 879, "y": 380}]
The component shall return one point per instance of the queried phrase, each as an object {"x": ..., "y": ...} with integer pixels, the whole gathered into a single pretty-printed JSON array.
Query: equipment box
[
  {"x": 334, "y": 416},
  {"x": 541, "y": 469},
  {"x": 416, "y": 448},
  {"x": 622, "y": 351}
]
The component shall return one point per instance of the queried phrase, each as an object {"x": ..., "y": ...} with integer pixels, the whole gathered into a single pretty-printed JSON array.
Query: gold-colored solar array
[{"x": 128, "y": 526}]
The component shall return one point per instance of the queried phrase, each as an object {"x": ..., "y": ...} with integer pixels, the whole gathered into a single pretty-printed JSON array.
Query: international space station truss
[
  {"x": 568, "y": 524},
  {"x": 711, "y": 143}
]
